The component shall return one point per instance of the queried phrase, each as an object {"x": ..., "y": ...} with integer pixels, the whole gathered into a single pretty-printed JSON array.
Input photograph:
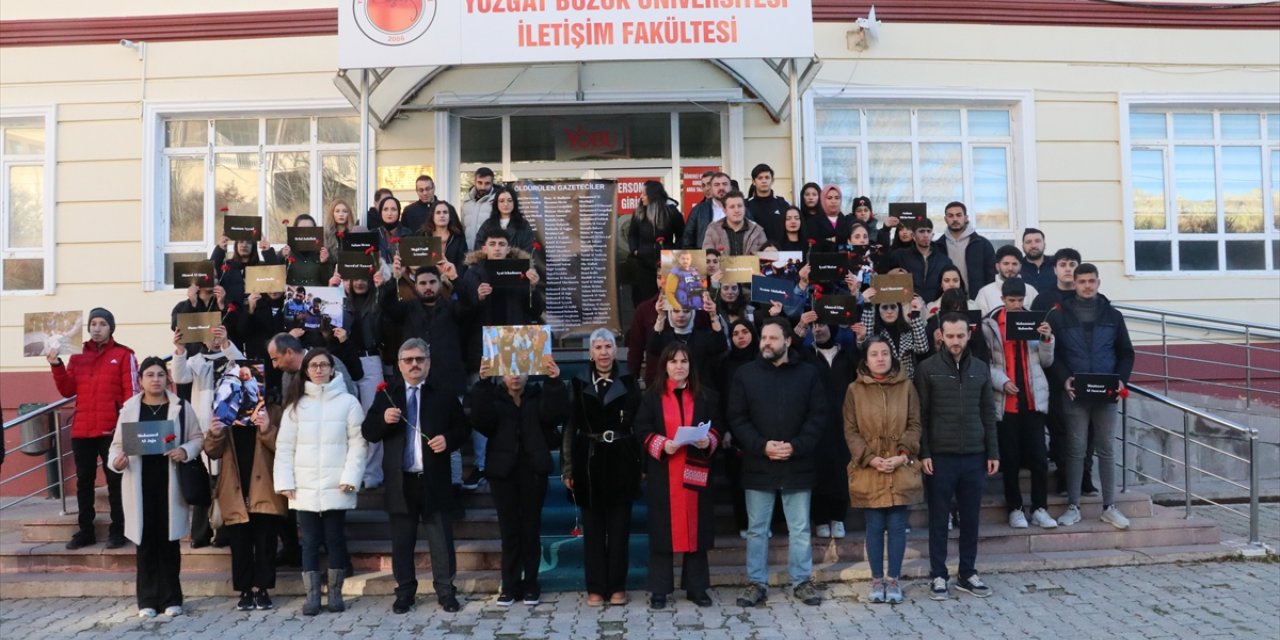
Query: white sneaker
[
  {"x": 1018, "y": 519},
  {"x": 147, "y": 612},
  {"x": 1112, "y": 516},
  {"x": 822, "y": 531},
  {"x": 175, "y": 610},
  {"x": 742, "y": 533},
  {"x": 1042, "y": 519},
  {"x": 1070, "y": 516},
  {"x": 837, "y": 530}
]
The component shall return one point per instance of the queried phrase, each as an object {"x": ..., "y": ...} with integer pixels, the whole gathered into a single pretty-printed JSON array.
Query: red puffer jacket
[{"x": 102, "y": 378}]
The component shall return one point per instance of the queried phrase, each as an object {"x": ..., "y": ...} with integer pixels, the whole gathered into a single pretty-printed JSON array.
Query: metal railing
[
  {"x": 51, "y": 411},
  {"x": 1150, "y": 325},
  {"x": 1190, "y": 439}
]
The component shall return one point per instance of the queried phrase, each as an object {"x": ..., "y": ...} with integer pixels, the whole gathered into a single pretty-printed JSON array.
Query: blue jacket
[{"x": 1104, "y": 349}]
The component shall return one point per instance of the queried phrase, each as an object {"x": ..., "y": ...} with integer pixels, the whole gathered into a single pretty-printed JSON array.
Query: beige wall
[{"x": 1075, "y": 75}]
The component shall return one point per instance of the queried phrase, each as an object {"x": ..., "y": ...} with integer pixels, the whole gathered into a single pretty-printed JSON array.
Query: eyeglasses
[
  {"x": 319, "y": 366},
  {"x": 413, "y": 359}
]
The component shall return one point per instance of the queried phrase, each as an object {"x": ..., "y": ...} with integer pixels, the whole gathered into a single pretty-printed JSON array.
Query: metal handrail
[
  {"x": 1188, "y": 439},
  {"x": 1256, "y": 326},
  {"x": 61, "y": 481}
]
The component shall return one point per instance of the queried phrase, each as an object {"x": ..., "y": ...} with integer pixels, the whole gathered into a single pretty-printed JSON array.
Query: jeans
[
  {"x": 1086, "y": 419},
  {"x": 86, "y": 452},
  {"x": 368, "y": 389},
  {"x": 329, "y": 526},
  {"x": 478, "y": 444},
  {"x": 963, "y": 478},
  {"x": 1022, "y": 446},
  {"x": 891, "y": 520},
  {"x": 795, "y": 506}
]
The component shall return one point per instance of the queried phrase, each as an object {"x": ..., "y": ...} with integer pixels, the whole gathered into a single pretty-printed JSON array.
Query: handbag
[{"x": 193, "y": 478}]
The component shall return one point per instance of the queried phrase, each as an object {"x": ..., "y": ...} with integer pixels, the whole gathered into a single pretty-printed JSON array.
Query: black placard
[
  {"x": 420, "y": 251},
  {"x": 149, "y": 438},
  {"x": 765, "y": 290},
  {"x": 307, "y": 274},
  {"x": 356, "y": 265},
  {"x": 199, "y": 273},
  {"x": 909, "y": 213},
  {"x": 507, "y": 274},
  {"x": 1097, "y": 386},
  {"x": 975, "y": 318},
  {"x": 359, "y": 241},
  {"x": 242, "y": 228},
  {"x": 828, "y": 267},
  {"x": 1021, "y": 325},
  {"x": 305, "y": 239},
  {"x": 841, "y": 310}
]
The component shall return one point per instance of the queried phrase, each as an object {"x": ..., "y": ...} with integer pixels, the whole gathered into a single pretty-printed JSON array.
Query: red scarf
[
  {"x": 683, "y": 502},
  {"x": 1011, "y": 349}
]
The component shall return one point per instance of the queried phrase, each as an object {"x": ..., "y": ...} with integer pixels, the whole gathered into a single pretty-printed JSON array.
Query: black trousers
[
  {"x": 519, "y": 499},
  {"x": 606, "y": 533},
  {"x": 1022, "y": 447},
  {"x": 695, "y": 574},
  {"x": 159, "y": 558},
  {"x": 962, "y": 478},
  {"x": 732, "y": 461},
  {"x": 86, "y": 452},
  {"x": 404, "y": 538},
  {"x": 253, "y": 552},
  {"x": 201, "y": 527}
]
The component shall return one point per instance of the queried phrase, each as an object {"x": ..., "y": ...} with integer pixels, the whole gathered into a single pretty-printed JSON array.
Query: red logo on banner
[
  {"x": 691, "y": 187},
  {"x": 394, "y": 22}
]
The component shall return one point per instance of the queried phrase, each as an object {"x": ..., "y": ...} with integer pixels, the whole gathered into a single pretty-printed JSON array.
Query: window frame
[
  {"x": 155, "y": 192},
  {"x": 1196, "y": 103},
  {"x": 48, "y": 162},
  {"x": 1021, "y": 159}
]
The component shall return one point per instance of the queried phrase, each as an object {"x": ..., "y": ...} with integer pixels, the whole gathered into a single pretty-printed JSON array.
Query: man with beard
[
  {"x": 706, "y": 212},
  {"x": 1008, "y": 265},
  {"x": 959, "y": 448},
  {"x": 1037, "y": 271},
  {"x": 970, "y": 252},
  {"x": 924, "y": 260},
  {"x": 477, "y": 204},
  {"x": 777, "y": 412}
]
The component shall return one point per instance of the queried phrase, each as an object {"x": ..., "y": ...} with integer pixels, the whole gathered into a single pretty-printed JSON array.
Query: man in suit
[{"x": 418, "y": 425}]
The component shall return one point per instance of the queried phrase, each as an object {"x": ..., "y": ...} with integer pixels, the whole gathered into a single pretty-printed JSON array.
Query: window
[
  {"x": 272, "y": 167},
  {"x": 26, "y": 193},
  {"x": 933, "y": 154},
  {"x": 1203, "y": 189}
]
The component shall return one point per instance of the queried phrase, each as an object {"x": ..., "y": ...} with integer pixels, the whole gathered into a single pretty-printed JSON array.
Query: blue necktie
[{"x": 413, "y": 437}]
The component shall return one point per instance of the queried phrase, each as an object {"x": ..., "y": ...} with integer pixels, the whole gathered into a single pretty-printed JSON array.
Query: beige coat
[
  {"x": 228, "y": 492},
  {"x": 718, "y": 238},
  {"x": 882, "y": 419},
  {"x": 131, "y": 480}
]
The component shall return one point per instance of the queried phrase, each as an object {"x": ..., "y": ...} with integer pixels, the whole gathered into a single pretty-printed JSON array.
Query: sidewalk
[{"x": 1210, "y": 600}]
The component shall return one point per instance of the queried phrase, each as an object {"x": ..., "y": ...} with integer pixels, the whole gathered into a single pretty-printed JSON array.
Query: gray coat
[{"x": 957, "y": 408}]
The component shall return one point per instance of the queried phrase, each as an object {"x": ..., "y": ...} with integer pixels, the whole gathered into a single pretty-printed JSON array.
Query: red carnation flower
[
  {"x": 225, "y": 267},
  {"x": 255, "y": 233},
  {"x": 170, "y": 438},
  {"x": 661, "y": 239},
  {"x": 721, "y": 249},
  {"x": 371, "y": 269},
  {"x": 370, "y": 250},
  {"x": 285, "y": 222},
  {"x": 1124, "y": 393},
  {"x": 812, "y": 242},
  {"x": 382, "y": 386},
  {"x": 537, "y": 246},
  {"x": 231, "y": 308},
  {"x": 394, "y": 240},
  {"x": 222, "y": 210},
  {"x": 342, "y": 234},
  {"x": 576, "y": 531},
  {"x": 292, "y": 259}
]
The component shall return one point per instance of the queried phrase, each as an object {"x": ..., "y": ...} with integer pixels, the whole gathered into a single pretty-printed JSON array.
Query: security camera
[{"x": 124, "y": 42}]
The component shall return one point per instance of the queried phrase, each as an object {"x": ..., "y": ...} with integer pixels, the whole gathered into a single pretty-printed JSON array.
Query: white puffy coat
[{"x": 320, "y": 447}]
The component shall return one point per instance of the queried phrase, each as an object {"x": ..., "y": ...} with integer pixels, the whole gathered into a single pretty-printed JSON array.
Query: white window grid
[
  {"x": 1166, "y": 145},
  {"x": 47, "y": 119},
  {"x": 208, "y": 153},
  {"x": 860, "y": 143}
]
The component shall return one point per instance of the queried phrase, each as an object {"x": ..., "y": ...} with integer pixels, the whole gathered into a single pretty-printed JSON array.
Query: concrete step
[{"x": 478, "y": 587}]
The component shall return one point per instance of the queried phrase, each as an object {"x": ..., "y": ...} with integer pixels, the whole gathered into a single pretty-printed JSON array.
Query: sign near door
[
  {"x": 590, "y": 139},
  {"x": 397, "y": 33}
]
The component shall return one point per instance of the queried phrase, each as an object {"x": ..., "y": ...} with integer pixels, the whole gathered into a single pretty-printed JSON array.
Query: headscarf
[{"x": 822, "y": 201}]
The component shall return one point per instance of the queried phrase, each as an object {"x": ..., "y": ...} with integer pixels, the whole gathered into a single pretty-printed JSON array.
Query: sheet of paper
[{"x": 690, "y": 435}]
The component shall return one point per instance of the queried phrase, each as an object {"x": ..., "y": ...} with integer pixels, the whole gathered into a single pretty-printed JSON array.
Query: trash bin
[{"x": 36, "y": 434}]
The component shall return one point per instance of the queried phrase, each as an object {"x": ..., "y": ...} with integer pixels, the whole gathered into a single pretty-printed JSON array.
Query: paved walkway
[{"x": 1212, "y": 600}]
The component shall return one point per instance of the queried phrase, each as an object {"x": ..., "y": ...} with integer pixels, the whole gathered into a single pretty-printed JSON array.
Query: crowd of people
[{"x": 903, "y": 404}]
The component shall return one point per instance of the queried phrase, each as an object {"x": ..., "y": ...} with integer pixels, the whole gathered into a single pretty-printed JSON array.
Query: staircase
[{"x": 34, "y": 562}]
